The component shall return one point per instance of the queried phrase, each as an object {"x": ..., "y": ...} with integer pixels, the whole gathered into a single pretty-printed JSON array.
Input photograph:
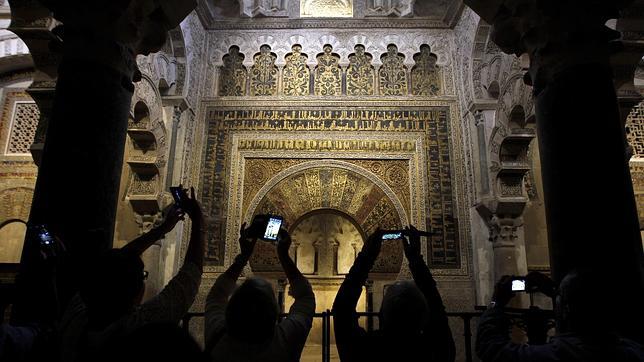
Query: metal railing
[{"x": 325, "y": 316}]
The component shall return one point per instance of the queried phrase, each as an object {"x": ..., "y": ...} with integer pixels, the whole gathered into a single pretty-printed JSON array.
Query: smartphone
[
  {"x": 272, "y": 227},
  {"x": 392, "y": 236},
  {"x": 44, "y": 235},
  {"x": 179, "y": 194},
  {"x": 518, "y": 284}
]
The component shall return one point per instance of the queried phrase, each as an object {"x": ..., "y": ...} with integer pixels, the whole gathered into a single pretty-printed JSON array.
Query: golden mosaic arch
[{"x": 329, "y": 185}]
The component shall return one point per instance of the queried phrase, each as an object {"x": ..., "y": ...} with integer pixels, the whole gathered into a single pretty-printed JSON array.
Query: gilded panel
[
  {"x": 296, "y": 76},
  {"x": 264, "y": 73},
  {"x": 393, "y": 73},
  {"x": 232, "y": 79},
  {"x": 328, "y": 75},
  {"x": 425, "y": 76},
  {"x": 360, "y": 73}
]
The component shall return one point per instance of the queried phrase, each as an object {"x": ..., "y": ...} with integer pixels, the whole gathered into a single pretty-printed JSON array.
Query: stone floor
[{"x": 313, "y": 353}]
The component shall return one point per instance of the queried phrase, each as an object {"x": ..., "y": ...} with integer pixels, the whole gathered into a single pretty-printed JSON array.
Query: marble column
[{"x": 590, "y": 207}]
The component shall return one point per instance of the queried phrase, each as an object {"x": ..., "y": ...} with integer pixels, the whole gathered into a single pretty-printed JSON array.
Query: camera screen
[
  {"x": 176, "y": 193},
  {"x": 518, "y": 285},
  {"x": 392, "y": 236},
  {"x": 46, "y": 238},
  {"x": 272, "y": 228}
]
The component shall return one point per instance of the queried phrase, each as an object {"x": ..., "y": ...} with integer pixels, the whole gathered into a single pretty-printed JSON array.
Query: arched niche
[
  {"x": 326, "y": 242},
  {"x": 517, "y": 117},
  {"x": 12, "y": 238},
  {"x": 319, "y": 185}
]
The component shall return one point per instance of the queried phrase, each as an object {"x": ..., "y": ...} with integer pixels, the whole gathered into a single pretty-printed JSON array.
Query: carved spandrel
[
  {"x": 360, "y": 73},
  {"x": 393, "y": 73},
  {"x": 264, "y": 73},
  {"x": 296, "y": 73},
  {"x": 425, "y": 76},
  {"x": 328, "y": 75},
  {"x": 232, "y": 79}
]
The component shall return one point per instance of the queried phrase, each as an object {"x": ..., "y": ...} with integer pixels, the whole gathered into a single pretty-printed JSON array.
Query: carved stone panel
[
  {"x": 425, "y": 76},
  {"x": 296, "y": 73},
  {"x": 360, "y": 74},
  {"x": 326, "y": 8},
  {"x": 232, "y": 79},
  {"x": 264, "y": 73},
  {"x": 23, "y": 128},
  {"x": 393, "y": 73},
  {"x": 390, "y": 8},
  {"x": 328, "y": 75},
  {"x": 267, "y": 8},
  {"x": 635, "y": 130}
]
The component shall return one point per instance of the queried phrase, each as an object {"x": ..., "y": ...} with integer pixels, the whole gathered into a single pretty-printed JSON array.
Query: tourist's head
[
  {"x": 585, "y": 302},
  {"x": 252, "y": 312},
  {"x": 404, "y": 309},
  {"x": 113, "y": 285}
]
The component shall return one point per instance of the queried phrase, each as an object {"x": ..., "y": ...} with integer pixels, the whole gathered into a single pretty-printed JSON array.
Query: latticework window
[
  {"x": 23, "y": 128},
  {"x": 635, "y": 130}
]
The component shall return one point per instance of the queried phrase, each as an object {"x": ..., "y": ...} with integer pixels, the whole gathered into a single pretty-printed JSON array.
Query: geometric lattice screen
[
  {"x": 23, "y": 129},
  {"x": 635, "y": 130}
]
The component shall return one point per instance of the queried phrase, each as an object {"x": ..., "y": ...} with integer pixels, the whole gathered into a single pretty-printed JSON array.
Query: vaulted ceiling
[{"x": 259, "y": 14}]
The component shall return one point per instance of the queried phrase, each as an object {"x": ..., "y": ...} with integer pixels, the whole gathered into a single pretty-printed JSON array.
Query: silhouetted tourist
[
  {"x": 585, "y": 312},
  {"x": 108, "y": 305},
  {"x": 245, "y": 328},
  {"x": 157, "y": 342},
  {"x": 413, "y": 323},
  {"x": 17, "y": 342}
]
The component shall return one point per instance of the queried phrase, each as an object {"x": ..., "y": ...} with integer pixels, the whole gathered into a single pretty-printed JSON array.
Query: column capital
[
  {"x": 556, "y": 35},
  {"x": 112, "y": 33}
]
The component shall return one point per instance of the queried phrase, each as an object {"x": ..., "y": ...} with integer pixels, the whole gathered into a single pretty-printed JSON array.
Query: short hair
[
  {"x": 112, "y": 285},
  {"x": 404, "y": 309},
  {"x": 251, "y": 313}
]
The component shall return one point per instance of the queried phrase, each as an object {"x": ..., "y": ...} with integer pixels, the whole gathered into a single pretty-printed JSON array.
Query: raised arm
[
  {"x": 143, "y": 242},
  {"x": 437, "y": 327},
  {"x": 297, "y": 324},
  {"x": 217, "y": 299},
  {"x": 175, "y": 299},
  {"x": 347, "y": 330}
]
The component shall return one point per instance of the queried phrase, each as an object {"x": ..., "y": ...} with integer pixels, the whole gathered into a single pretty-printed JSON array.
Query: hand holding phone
[
  {"x": 179, "y": 195},
  {"x": 392, "y": 235},
  {"x": 266, "y": 227}
]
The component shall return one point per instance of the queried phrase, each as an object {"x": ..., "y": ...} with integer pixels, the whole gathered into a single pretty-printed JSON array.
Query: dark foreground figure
[
  {"x": 584, "y": 306},
  {"x": 413, "y": 324},
  {"x": 108, "y": 308},
  {"x": 246, "y": 328}
]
